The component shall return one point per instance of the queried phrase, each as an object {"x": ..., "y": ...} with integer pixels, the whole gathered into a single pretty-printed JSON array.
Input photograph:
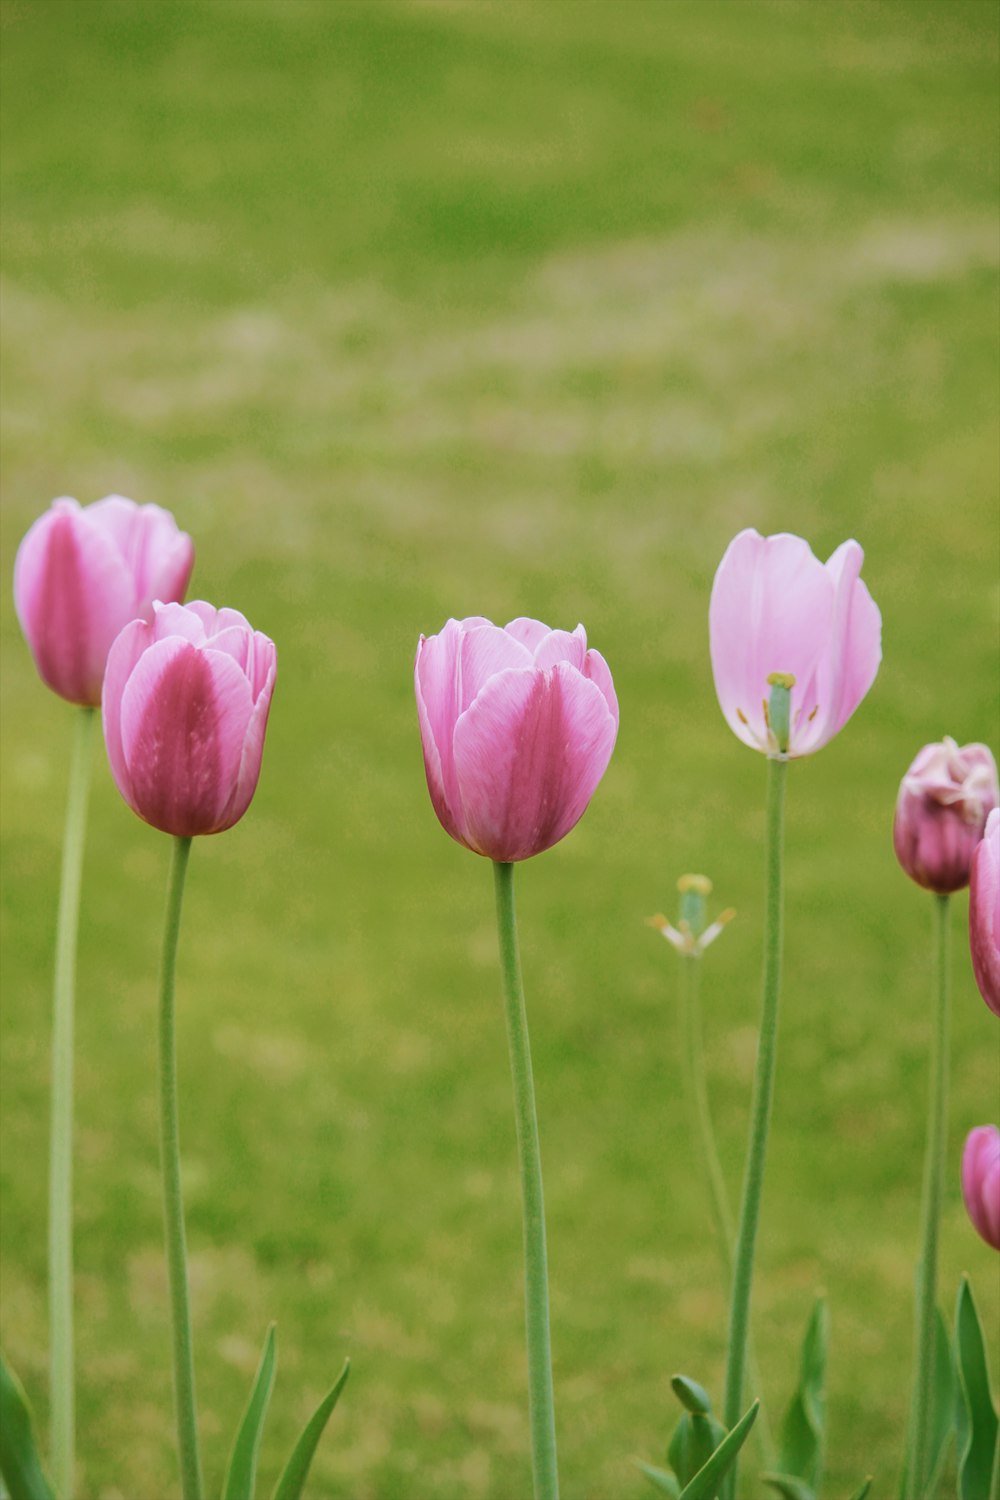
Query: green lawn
[{"x": 412, "y": 308}]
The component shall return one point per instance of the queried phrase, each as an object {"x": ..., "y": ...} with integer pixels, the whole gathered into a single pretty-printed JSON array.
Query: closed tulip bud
[
  {"x": 778, "y": 614},
  {"x": 82, "y": 573},
  {"x": 981, "y": 1181},
  {"x": 941, "y": 811},
  {"x": 984, "y": 913},
  {"x": 186, "y": 700},
  {"x": 517, "y": 727}
]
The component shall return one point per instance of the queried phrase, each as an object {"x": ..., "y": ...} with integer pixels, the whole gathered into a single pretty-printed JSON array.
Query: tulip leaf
[
  {"x": 660, "y": 1479},
  {"x": 801, "y": 1451},
  {"x": 19, "y": 1462},
  {"x": 697, "y": 1434},
  {"x": 705, "y": 1484},
  {"x": 861, "y": 1492},
  {"x": 296, "y": 1471},
  {"x": 943, "y": 1410},
  {"x": 242, "y": 1472},
  {"x": 789, "y": 1487},
  {"x": 692, "y": 1396},
  {"x": 976, "y": 1420}
]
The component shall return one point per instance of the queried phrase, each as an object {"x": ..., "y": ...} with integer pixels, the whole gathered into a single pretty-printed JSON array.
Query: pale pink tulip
[
  {"x": 981, "y": 1181},
  {"x": 941, "y": 811},
  {"x": 186, "y": 700},
  {"x": 984, "y": 913},
  {"x": 775, "y": 608},
  {"x": 82, "y": 573},
  {"x": 517, "y": 727}
]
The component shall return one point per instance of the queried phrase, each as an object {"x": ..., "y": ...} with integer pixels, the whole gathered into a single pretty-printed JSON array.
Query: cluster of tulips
[{"x": 518, "y": 725}]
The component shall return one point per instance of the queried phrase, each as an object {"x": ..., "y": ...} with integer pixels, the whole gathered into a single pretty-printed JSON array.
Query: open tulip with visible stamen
[
  {"x": 775, "y": 608},
  {"x": 186, "y": 700},
  {"x": 517, "y": 725}
]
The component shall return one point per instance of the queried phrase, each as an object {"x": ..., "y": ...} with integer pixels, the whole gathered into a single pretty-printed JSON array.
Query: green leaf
[
  {"x": 705, "y": 1484},
  {"x": 943, "y": 1411},
  {"x": 692, "y": 1396},
  {"x": 801, "y": 1453},
  {"x": 19, "y": 1461},
  {"x": 698, "y": 1433},
  {"x": 788, "y": 1487},
  {"x": 242, "y": 1472},
  {"x": 862, "y": 1491},
  {"x": 975, "y": 1415},
  {"x": 660, "y": 1479},
  {"x": 292, "y": 1481}
]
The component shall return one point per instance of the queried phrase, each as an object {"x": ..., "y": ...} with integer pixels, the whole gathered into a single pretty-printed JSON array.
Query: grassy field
[{"x": 412, "y": 308}]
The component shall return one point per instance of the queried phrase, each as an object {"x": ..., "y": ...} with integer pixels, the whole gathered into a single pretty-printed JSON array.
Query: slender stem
[
  {"x": 63, "y": 1410},
  {"x": 541, "y": 1408},
  {"x": 701, "y": 1116},
  {"x": 921, "y": 1458},
  {"x": 760, "y": 1108},
  {"x": 173, "y": 1207}
]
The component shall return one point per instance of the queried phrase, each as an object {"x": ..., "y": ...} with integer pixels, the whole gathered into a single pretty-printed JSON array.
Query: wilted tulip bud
[
  {"x": 941, "y": 811},
  {"x": 186, "y": 700},
  {"x": 981, "y": 1181},
  {"x": 82, "y": 573},
  {"x": 984, "y": 913},
  {"x": 517, "y": 727},
  {"x": 777, "y": 611}
]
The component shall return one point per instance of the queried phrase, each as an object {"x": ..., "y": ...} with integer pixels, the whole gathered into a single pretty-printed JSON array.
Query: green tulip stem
[
  {"x": 920, "y": 1458},
  {"x": 173, "y": 1207},
  {"x": 541, "y": 1407},
  {"x": 61, "y": 1382},
  {"x": 699, "y": 1109},
  {"x": 760, "y": 1108}
]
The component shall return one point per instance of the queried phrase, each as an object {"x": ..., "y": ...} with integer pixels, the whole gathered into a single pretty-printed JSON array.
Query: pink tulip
[
  {"x": 984, "y": 913},
  {"x": 186, "y": 700},
  {"x": 981, "y": 1181},
  {"x": 941, "y": 811},
  {"x": 80, "y": 576},
  {"x": 517, "y": 727},
  {"x": 776, "y": 608}
]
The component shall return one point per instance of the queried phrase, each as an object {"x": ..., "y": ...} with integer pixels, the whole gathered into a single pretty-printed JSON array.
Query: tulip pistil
[{"x": 777, "y": 712}]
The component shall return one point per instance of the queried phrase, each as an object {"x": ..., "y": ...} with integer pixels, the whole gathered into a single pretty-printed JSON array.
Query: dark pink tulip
[
  {"x": 518, "y": 726},
  {"x": 186, "y": 700},
  {"x": 776, "y": 608},
  {"x": 984, "y": 913},
  {"x": 941, "y": 811},
  {"x": 82, "y": 573},
  {"x": 981, "y": 1181}
]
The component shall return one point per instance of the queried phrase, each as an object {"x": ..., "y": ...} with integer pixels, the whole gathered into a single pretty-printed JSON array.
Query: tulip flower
[
  {"x": 984, "y": 913},
  {"x": 186, "y": 700},
  {"x": 941, "y": 811},
  {"x": 776, "y": 609},
  {"x": 517, "y": 726},
  {"x": 82, "y": 573},
  {"x": 981, "y": 1181}
]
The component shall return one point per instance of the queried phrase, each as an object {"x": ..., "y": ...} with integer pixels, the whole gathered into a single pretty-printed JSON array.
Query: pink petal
[
  {"x": 253, "y": 745},
  {"x": 125, "y": 652},
  {"x": 529, "y": 632},
  {"x": 847, "y": 667},
  {"x": 184, "y": 718},
  {"x": 158, "y": 556},
  {"x": 432, "y": 758},
  {"x": 529, "y": 754},
  {"x": 485, "y": 651},
  {"x": 560, "y": 645},
  {"x": 597, "y": 669},
  {"x": 770, "y": 611},
  {"x": 436, "y": 679},
  {"x": 184, "y": 620},
  {"x": 984, "y": 913}
]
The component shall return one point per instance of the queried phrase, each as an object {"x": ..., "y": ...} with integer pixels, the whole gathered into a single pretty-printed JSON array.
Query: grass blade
[{"x": 292, "y": 1481}]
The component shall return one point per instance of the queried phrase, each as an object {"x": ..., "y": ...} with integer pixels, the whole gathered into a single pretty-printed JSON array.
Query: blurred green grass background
[{"x": 413, "y": 308}]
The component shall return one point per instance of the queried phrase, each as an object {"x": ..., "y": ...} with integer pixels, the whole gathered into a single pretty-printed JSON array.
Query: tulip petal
[
  {"x": 529, "y": 632},
  {"x": 770, "y": 611},
  {"x": 984, "y": 913},
  {"x": 561, "y": 645},
  {"x": 597, "y": 669},
  {"x": 184, "y": 718},
  {"x": 186, "y": 621},
  {"x": 847, "y": 666},
  {"x": 73, "y": 594},
  {"x": 529, "y": 753},
  {"x": 157, "y": 556},
  {"x": 253, "y": 744},
  {"x": 126, "y": 651},
  {"x": 485, "y": 651}
]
